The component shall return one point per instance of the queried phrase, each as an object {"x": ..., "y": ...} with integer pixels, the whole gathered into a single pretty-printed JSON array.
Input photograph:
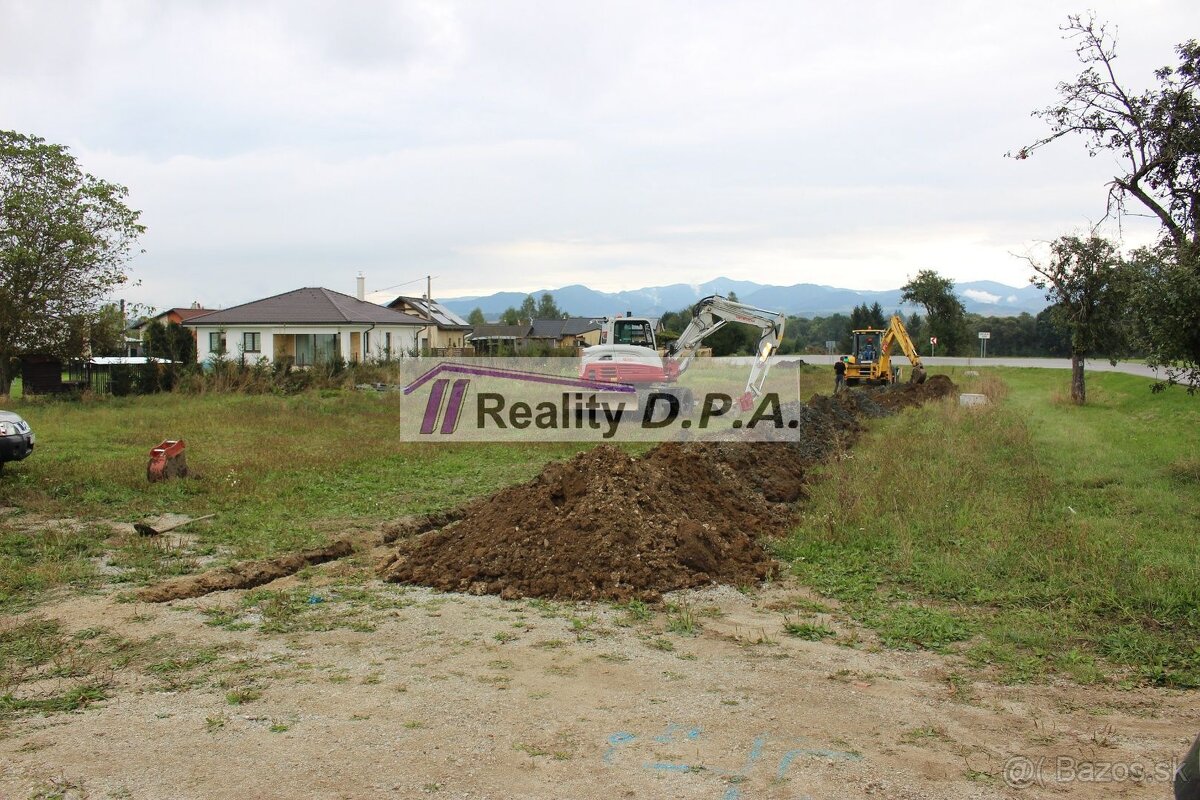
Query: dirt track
[{"x": 459, "y": 696}]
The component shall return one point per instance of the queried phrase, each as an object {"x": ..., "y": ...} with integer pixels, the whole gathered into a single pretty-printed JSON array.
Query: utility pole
[{"x": 429, "y": 312}]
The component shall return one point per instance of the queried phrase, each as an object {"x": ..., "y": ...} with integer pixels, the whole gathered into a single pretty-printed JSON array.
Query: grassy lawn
[
  {"x": 280, "y": 473},
  {"x": 1032, "y": 536}
]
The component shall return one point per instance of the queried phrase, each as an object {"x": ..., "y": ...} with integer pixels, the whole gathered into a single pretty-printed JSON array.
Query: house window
[
  {"x": 387, "y": 345},
  {"x": 216, "y": 342},
  {"x": 251, "y": 342},
  {"x": 366, "y": 345},
  {"x": 315, "y": 348}
]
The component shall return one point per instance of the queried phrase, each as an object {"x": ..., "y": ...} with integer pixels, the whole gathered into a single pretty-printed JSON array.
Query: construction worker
[{"x": 839, "y": 375}]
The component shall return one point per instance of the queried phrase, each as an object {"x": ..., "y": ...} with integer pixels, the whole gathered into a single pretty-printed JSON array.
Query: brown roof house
[
  {"x": 443, "y": 328},
  {"x": 307, "y": 326},
  {"x": 567, "y": 332},
  {"x": 136, "y": 333}
]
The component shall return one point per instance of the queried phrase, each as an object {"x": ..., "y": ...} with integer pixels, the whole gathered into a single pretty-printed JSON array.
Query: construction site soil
[{"x": 606, "y": 525}]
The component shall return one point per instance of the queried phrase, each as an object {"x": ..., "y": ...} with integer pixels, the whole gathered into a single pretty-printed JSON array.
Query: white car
[{"x": 16, "y": 439}]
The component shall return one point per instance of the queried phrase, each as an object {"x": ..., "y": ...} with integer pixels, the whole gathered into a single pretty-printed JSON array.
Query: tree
[
  {"x": 915, "y": 327},
  {"x": 65, "y": 239},
  {"x": 97, "y": 334},
  {"x": 528, "y": 308},
  {"x": 864, "y": 316},
  {"x": 511, "y": 316},
  {"x": 170, "y": 341},
  {"x": 1154, "y": 135},
  {"x": 548, "y": 309},
  {"x": 476, "y": 317},
  {"x": 1084, "y": 281},
  {"x": 944, "y": 312}
]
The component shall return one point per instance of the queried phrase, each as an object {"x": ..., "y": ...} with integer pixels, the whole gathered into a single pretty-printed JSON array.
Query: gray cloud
[{"x": 520, "y": 145}]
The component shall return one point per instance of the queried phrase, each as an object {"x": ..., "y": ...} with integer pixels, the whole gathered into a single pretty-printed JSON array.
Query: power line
[{"x": 406, "y": 283}]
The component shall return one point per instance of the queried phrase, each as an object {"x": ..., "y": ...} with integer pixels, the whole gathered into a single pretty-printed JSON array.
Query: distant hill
[{"x": 804, "y": 299}]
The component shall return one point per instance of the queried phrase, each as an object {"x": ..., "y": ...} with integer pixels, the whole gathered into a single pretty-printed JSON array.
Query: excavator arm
[
  {"x": 715, "y": 312},
  {"x": 898, "y": 333}
]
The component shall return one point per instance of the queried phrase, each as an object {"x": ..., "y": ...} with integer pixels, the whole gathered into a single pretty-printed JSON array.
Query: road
[{"x": 1096, "y": 365}]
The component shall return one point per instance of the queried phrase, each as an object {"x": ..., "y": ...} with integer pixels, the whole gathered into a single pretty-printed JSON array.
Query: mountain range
[{"x": 987, "y": 298}]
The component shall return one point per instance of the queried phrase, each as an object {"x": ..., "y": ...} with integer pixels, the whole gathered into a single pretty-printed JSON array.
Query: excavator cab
[
  {"x": 636, "y": 332},
  {"x": 866, "y": 346}
]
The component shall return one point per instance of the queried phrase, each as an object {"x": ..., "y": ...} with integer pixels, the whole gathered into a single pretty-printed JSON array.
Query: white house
[{"x": 308, "y": 325}]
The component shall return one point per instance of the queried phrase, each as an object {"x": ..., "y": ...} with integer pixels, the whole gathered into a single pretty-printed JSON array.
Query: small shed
[{"x": 47, "y": 374}]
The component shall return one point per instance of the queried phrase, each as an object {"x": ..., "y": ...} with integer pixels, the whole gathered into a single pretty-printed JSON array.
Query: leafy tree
[
  {"x": 1052, "y": 340},
  {"x": 65, "y": 239},
  {"x": 943, "y": 310},
  {"x": 528, "y": 308},
  {"x": 99, "y": 334},
  {"x": 170, "y": 341},
  {"x": 511, "y": 316},
  {"x": 864, "y": 316},
  {"x": 548, "y": 309},
  {"x": 916, "y": 328},
  {"x": 877, "y": 318},
  {"x": 1164, "y": 294},
  {"x": 1083, "y": 279},
  {"x": 1154, "y": 137},
  {"x": 476, "y": 317}
]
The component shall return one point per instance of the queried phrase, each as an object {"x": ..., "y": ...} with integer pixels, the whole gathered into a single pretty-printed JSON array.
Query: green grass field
[
  {"x": 280, "y": 473},
  {"x": 1030, "y": 537}
]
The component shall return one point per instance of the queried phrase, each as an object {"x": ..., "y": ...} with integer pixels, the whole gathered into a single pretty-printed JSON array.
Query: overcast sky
[{"x": 523, "y": 145}]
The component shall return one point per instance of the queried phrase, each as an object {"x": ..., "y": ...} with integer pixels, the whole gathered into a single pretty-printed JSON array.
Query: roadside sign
[
  {"x": 985, "y": 334},
  {"x": 933, "y": 340}
]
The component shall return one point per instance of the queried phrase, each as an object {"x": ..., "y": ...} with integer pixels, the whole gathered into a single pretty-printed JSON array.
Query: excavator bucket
[
  {"x": 168, "y": 460},
  {"x": 918, "y": 375}
]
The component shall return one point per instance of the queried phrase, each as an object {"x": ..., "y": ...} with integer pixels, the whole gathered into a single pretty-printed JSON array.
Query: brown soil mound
[
  {"x": 606, "y": 525},
  {"x": 601, "y": 524},
  {"x": 907, "y": 395}
]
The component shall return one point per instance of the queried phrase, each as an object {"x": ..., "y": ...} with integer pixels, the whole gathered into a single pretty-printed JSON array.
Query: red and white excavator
[{"x": 628, "y": 349}]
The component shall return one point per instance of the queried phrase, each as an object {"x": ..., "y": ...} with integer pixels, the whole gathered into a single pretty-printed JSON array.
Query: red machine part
[{"x": 167, "y": 461}]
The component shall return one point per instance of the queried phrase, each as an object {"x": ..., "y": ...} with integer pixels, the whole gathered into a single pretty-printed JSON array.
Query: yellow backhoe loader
[{"x": 870, "y": 361}]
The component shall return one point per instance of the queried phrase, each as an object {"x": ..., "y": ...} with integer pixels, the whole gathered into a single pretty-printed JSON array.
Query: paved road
[{"x": 1097, "y": 365}]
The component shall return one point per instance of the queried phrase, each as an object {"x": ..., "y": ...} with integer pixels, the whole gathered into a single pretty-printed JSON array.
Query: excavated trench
[{"x": 606, "y": 525}]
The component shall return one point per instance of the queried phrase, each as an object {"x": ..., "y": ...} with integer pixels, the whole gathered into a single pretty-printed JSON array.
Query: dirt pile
[
  {"x": 906, "y": 395},
  {"x": 604, "y": 525}
]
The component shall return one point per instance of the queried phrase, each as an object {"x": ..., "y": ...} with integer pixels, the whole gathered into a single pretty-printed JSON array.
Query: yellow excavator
[{"x": 870, "y": 361}]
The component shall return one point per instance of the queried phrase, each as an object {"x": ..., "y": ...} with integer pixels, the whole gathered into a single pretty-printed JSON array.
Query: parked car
[{"x": 16, "y": 439}]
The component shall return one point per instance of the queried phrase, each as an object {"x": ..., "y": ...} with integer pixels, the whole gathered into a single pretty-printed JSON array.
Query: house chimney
[
  {"x": 362, "y": 287},
  {"x": 196, "y": 304}
]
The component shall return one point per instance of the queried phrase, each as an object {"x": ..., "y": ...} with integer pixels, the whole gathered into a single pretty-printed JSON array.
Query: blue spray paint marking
[
  {"x": 614, "y": 741},
  {"x": 756, "y": 749},
  {"x": 733, "y": 791},
  {"x": 674, "y": 728}
]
